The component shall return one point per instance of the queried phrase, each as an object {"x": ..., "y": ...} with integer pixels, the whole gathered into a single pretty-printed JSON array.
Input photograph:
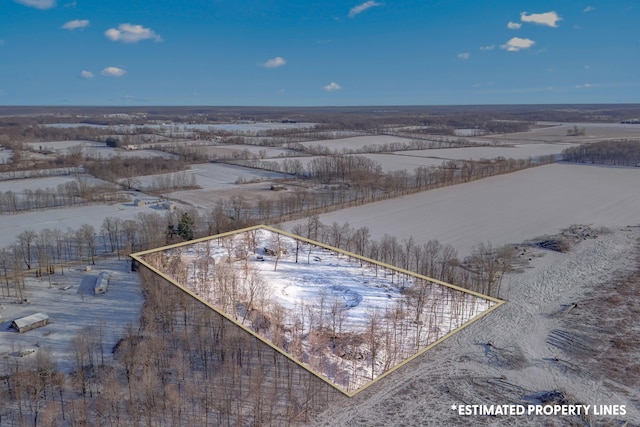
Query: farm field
[
  {"x": 356, "y": 143},
  {"x": 219, "y": 180},
  {"x": 19, "y": 186},
  {"x": 96, "y": 150},
  {"x": 185, "y": 127},
  {"x": 72, "y": 309},
  {"x": 229, "y": 150},
  {"x": 505, "y": 209},
  {"x": 220, "y": 175},
  {"x": 557, "y": 132},
  {"x": 63, "y": 218},
  {"x": 518, "y": 151}
]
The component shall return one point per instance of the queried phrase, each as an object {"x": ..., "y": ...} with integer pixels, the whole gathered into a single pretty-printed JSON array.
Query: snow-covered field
[
  {"x": 185, "y": 127},
  {"x": 519, "y": 151},
  {"x": 512, "y": 356},
  {"x": 347, "y": 318},
  {"x": 70, "y": 310},
  {"x": 506, "y": 208},
  {"x": 12, "y": 225},
  {"x": 96, "y": 150},
  {"x": 19, "y": 186},
  {"x": 557, "y": 132},
  {"x": 357, "y": 142},
  {"x": 231, "y": 150}
]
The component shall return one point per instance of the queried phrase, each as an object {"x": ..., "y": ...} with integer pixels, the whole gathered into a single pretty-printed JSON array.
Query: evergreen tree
[{"x": 185, "y": 227}]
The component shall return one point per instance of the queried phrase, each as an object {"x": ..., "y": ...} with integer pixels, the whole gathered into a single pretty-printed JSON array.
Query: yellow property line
[{"x": 138, "y": 257}]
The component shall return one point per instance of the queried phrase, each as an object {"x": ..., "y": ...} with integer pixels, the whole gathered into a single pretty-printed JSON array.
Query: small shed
[
  {"x": 28, "y": 323},
  {"x": 139, "y": 203},
  {"x": 102, "y": 283}
]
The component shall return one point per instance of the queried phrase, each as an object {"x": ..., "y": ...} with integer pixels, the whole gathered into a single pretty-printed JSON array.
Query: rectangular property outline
[{"x": 137, "y": 257}]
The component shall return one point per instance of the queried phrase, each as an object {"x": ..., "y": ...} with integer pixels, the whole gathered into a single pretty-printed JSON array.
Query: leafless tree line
[
  {"x": 481, "y": 271},
  {"x": 623, "y": 152},
  {"x": 73, "y": 193}
]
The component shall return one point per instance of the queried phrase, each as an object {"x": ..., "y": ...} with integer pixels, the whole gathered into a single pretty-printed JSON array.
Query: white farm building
[
  {"x": 28, "y": 323},
  {"x": 102, "y": 283}
]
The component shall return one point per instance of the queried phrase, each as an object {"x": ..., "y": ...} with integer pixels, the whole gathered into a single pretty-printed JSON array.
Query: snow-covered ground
[
  {"x": 96, "y": 150},
  {"x": 357, "y": 142},
  {"x": 185, "y": 127},
  {"x": 64, "y": 218},
  {"x": 504, "y": 209},
  {"x": 5, "y": 155},
  {"x": 70, "y": 310},
  {"x": 509, "y": 357},
  {"x": 519, "y": 151},
  {"x": 19, "y": 186},
  {"x": 349, "y": 319}
]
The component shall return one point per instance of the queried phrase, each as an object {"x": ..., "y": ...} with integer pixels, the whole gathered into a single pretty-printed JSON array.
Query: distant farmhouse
[{"x": 28, "y": 323}]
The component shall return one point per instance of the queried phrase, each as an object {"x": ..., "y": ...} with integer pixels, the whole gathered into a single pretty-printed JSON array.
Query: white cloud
[
  {"x": 514, "y": 25},
  {"x": 75, "y": 24},
  {"x": 489, "y": 47},
  {"x": 333, "y": 86},
  {"x": 362, "y": 7},
  {"x": 113, "y": 72},
  {"x": 589, "y": 9},
  {"x": 129, "y": 33},
  {"x": 516, "y": 44},
  {"x": 548, "y": 18},
  {"x": 38, "y": 4},
  {"x": 87, "y": 74},
  {"x": 464, "y": 55},
  {"x": 585, "y": 86},
  {"x": 276, "y": 62}
]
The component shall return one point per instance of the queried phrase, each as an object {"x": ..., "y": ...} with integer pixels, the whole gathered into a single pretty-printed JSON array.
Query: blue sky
[{"x": 306, "y": 53}]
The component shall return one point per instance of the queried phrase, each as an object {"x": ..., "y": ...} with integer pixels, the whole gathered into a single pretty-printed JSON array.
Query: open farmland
[
  {"x": 506, "y": 208},
  {"x": 557, "y": 132},
  {"x": 518, "y": 151},
  {"x": 64, "y": 218},
  {"x": 19, "y": 186},
  {"x": 238, "y": 151},
  {"x": 356, "y": 143},
  {"x": 94, "y": 150},
  {"x": 219, "y": 180}
]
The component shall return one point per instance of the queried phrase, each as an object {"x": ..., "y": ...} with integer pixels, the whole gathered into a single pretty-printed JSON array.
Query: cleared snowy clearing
[
  {"x": 505, "y": 209},
  {"x": 72, "y": 309},
  {"x": 349, "y": 319}
]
